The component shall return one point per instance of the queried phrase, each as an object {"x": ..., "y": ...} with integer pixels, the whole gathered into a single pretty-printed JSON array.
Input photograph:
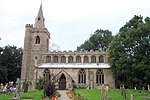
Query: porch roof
[{"x": 74, "y": 65}]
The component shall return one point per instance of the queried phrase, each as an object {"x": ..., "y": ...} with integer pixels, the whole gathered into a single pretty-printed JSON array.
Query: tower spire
[{"x": 39, "y": 21}]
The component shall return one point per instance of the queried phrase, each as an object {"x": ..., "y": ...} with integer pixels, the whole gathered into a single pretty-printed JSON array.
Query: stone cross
[
  {"x": 16, "y": 93},
  {"x": 18, "y": 85}
]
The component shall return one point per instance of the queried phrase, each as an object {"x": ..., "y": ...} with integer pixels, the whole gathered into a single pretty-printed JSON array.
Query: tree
[
  {"x": 10, "y": 63},
  {"x": 129, "y": 52},
  {"x": 98, "y": 41}
]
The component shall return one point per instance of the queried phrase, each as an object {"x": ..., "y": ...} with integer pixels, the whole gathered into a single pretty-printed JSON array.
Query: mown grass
[
  {"x": 93, "y": 94},
  {"x": 35, "y": 95}
]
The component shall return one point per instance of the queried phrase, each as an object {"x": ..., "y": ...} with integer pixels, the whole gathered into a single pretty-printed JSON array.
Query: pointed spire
[{"x": 39, "y": 21}]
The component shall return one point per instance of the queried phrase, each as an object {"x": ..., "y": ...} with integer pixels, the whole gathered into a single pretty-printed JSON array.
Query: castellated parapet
[{"x": 29, "y": 25}]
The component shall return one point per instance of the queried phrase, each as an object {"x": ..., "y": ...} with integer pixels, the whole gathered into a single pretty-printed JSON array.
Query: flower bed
[{"x": 70, "y": 94}]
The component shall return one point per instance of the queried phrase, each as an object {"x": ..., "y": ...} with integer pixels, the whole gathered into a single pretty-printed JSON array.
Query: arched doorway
[{"x": 62, "y": 82}]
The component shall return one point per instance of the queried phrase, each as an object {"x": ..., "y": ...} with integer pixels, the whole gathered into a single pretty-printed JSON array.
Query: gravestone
[
  {"x": 2, "y": 86},
  {"x": 106, "y": 93},
  {"x": 131, "y": 97},
  {"x": 102, "y": 92},
  {"x": 18, "y": 85},
  {"x": 143, "y": 88},
  {"x": 148, "y": 87},
  {"x": 123, "y": 91},
  {"x": 16, "y": 92},
  {"x": 134, "y": 88}
]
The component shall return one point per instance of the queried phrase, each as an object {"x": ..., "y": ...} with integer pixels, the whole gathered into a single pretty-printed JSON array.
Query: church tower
[{"x": 36, "y": 42}]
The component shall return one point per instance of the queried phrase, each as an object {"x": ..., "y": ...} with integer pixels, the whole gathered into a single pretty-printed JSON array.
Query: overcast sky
[{"x": 70, "y": 22}]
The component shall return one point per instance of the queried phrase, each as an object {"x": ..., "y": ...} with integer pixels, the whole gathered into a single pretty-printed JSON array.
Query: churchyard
[{"x": 85, "y": 94}]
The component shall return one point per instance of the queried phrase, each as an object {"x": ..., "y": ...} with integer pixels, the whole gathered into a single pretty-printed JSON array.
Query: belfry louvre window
[
  {"x": 70, "y": 59},
  {"x": 63, "y": 59},
  {"x": 99, "y": 77},
  {"x": 37, "y": 40},
  {"x": 81, "y": 76},
  {"x": 48, "y": 59},
  {"x": 78, "y": 59},
  {"x": 86, "y": 59},
  {"x": 55, "y": 59},
  {"x": 93, "y": 59},
  {"x": 101, "y": 59}
]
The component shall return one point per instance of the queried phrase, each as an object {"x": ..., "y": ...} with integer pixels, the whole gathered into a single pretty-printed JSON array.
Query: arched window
[
  {"x": 93, "y": 59},
  {"x": 63, "y": 59},
  {"x": 48, "y": 59},
  {"x": 70, "y": 59},
  {"x": 81, "y": 76},
  {"x": 55, "y": 59},
  {"x": 101, "y": 59},
  {"x": 78, "y": 59},
  {"x": 99, "y": 77},
  {"x": 86, "y": 59},
  {"x": 37, "y": 40}
]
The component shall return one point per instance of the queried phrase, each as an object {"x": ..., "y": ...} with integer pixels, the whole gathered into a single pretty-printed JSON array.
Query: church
[{"x": 84, "y": 68}]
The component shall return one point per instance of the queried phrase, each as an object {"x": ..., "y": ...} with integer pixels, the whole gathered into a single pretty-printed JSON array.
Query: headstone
[
  {"x": 134, "y": 88},
  {"x": 123, "y": 91},
  {"x": 102, "y": 92},
  {"x": 106, "y": 93},
  {"x": 131, "y": 97},
  {"x": 148, "y": 87},
  {"x": 143, "y": 88},
  {"x": 16, "y": 96},
  {"x": 18, "y": 85},
  {"x": 2, "y": 86}
]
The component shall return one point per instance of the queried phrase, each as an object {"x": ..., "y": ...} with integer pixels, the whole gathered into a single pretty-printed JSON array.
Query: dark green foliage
[
  {"x": 39, "y": 83},
  {"x": 129, "y": 53},
  {"x": 98, "y": 41},
  {"x": 49, "y": 89},
  {"x": 10, "y": 63}
]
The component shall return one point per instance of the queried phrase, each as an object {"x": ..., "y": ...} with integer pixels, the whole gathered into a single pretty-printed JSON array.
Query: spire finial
[{"x": 39, "y": 21}]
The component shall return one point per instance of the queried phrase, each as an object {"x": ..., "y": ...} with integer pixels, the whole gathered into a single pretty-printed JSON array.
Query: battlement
[
  {"x": 76, "y": 52},
  {"x": 29, "y": 25}
]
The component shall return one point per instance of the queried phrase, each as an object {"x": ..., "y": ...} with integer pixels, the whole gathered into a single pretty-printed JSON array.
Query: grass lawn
[
  {"x": 94, "y": 94},
  {"x": 35, "y": 95}
]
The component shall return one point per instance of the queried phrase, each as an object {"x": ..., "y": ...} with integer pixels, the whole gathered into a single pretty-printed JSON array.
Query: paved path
[{"x": 64, "y": 95}]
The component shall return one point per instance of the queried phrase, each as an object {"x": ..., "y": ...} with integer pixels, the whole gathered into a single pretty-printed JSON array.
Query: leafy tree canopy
[
  {"x": 98, "y": 41},
  {"x": 10, "y": 63},
  {"x": 129, "y": 52}
]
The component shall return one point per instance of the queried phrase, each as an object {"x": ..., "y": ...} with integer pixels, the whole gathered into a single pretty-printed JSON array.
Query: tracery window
[
  {"x": 101, "y": 59},
  {"x": 81, "y": 76},
  {"x": 93, "y": 59},
  {"x": 55, "y": 59},
  {"x": 48, "y": 59},
  {"x": 70, "y": 59},
  {"x": 99, "y": 77},
  {"x": 63, "y": 59},
  {"x": 78, "y": 59},
  {"x": 86, "y": 59},
  {"x": 37, "y": 40}
]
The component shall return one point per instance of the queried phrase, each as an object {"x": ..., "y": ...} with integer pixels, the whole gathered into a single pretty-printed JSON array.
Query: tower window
[
  {"x": 37, "y": 40},
  {"x": 38, "y": 18}
]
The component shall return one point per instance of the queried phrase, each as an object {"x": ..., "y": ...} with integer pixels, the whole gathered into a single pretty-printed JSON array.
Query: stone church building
[{"x": 84, "y": 68}]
